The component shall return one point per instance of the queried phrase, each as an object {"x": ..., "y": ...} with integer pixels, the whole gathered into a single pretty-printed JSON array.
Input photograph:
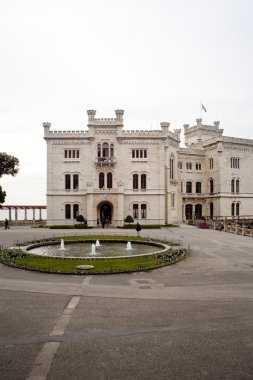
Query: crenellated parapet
[{"x": 117, "y": 121}]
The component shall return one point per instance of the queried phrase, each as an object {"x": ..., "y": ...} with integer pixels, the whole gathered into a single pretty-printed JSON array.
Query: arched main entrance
[{"x": 105, "y": 211}]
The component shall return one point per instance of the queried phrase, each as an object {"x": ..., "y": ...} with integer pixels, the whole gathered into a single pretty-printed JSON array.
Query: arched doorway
[
  {"x": 105, "y": 211},
  {"x": 188, "y": 211},
  {"x": 198, "y": 211}
]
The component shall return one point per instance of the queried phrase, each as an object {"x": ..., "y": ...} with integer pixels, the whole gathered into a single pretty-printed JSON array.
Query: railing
[{"x": 101, "y": 161}]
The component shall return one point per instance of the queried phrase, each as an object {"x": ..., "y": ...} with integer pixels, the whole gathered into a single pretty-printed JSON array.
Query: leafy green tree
[{"x": 8, "y": 165}]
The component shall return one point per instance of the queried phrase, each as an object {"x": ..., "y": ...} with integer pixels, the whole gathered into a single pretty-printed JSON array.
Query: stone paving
[{"x": 192, "y": 320}]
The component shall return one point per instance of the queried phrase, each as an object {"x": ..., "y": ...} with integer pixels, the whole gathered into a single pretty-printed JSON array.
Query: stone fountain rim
[{"x": 165, "y": 247}]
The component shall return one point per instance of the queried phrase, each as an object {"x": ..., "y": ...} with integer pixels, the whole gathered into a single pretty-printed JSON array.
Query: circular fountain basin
[{"x": 107, "y": 249}]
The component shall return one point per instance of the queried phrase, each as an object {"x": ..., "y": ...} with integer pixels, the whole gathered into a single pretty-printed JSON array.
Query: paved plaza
[{"x": 192, "y": 320}]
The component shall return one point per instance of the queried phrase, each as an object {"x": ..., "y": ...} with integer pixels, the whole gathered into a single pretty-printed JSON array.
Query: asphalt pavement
[{"x": 192, "y": 320}]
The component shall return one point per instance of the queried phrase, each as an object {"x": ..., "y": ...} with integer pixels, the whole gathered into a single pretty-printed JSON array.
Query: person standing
[
  {"x": 138, "y": 229},
  {"x": 6, "y": 224}
]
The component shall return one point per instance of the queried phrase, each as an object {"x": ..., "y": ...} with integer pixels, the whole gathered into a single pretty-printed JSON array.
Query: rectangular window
[
  {"x": 188, "y": 165},
  {"x": 180, "y": 165},
  {"x": 133, "y": 153},
  {"x": 198, "y": 187},
  {"x": 182, "y": 186},
  {"x": 145, "y": 153},
  {"x": 211, "y": 163},
  {"x": 235, "y": 162},
  {"x": 139, "y": 153},
  {"x": 198, "y": 166},
  {"x": 71, "y": 153}
]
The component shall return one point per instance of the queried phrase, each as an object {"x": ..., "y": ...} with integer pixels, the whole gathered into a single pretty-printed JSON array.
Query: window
[
  {"x": 99, "y": 150},
  {"x": 105, "y": 150},
  {"x": 237, "y": 209},
  {"x": 211, "y": 186},
  {"x": 211, "y": 210},
  {"x": 109, "y": 180},
  {"x": 172, "y": 167},
  {"x": 67, "y": 212},
  {"x": 139, "y": 153},
  {"x": 135, "y": 211},
  {"x": 189, "y": 187},
  {"x": 235, "y": 162},
  {"x": 180, "y": 165},
  {"x": 101, "y": 180},
  {"x": 233, "y": 209},
  {"x": 188, "y": 211},
  {"x": 111, "y": 150},
  {"x": 198, "y": 187},
  {"x": 75, "y": 211},
  {"x": 143, "y": 181},
  {"x": 67, "y": 181},
  {"x": 143, "y": 211},
  {"x": 211, "y": 163},
  {"x": 188, "y": 165},
  {"x": 71, "y": 153},
  {"x": 182, "y": 187},
  {"x": 198, "y": 166},
  {"x": 232, "y": 186},
  {"x": 135, "y": 181},
  {"x": 75, "y": 181},
  {"x": 237, "y": 186}
]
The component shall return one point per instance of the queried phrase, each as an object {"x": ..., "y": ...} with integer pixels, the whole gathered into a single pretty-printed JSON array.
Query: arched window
[
  {"x": 135, "y": 181},
  {"x": 67, "y": 181},
  {"x": 109, "y": 180},
  {"x": 75, "y": 181},
  {"x": 99, "y": 150},
  {"x": 237, "y": 186},
  {"x": 67, "y": 212},
  {"x": 189, "y": 187},
  {"x": 198, "y": 187},
  {"x": 111, "y": 150},
  {"x": 75, "y": 211},
  {"x": 233, "y": 209},
  {"x": 101, "y": 180},
  {"x": 144, "y": 211},
  {"x": 105, "y": 150},
  {"x": 211, "y": 184},
  {"x": 211, "y": 210},
  {"x": 232, "y": 186},
  {"x": 143, "y": 181},
  {"x": 135, "y": 211}
]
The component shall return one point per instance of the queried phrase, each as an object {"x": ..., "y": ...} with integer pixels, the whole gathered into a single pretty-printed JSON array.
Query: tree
[
  {"x": 8, "y": 165},
  {"x": 129, "y": 219}
]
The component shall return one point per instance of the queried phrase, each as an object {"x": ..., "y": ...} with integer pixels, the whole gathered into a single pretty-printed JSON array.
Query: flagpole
[{"x": 200, "y": 111}]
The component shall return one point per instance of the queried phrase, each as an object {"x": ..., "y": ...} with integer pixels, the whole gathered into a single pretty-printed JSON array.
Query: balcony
[{"x": 105, "y": 161}]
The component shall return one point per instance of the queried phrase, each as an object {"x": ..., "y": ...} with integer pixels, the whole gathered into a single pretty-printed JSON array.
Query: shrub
[
  {"x": 129, "y": 219},
  {"x": 81, "y": 219}
]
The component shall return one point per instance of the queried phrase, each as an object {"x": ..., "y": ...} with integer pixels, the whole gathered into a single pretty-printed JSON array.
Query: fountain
[
  {"x": 129, "y": 246},
  {"x": 93, "y": 249},
  {"x": 97, "y": 244},
  {"x": 62, "y": 246}
]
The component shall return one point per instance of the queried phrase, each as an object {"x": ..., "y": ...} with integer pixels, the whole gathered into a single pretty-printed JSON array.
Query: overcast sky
[{"x": 157, "y": 60}]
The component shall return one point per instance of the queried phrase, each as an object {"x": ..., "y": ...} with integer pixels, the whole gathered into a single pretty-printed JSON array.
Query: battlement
[{"x": 92, "y": 120}]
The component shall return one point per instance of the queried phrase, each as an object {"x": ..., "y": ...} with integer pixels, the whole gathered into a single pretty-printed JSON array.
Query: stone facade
[{"x": 106, "y": 173}]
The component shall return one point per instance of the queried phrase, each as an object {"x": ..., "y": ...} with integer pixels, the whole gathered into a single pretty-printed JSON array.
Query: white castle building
[{"x": 107, "y": 173}]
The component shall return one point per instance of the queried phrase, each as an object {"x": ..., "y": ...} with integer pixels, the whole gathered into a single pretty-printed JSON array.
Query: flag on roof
[{"x": 203, "y": 108}]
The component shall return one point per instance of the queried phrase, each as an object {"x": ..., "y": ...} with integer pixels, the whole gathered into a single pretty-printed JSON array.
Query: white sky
[{"x": 156, "y": 59}]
